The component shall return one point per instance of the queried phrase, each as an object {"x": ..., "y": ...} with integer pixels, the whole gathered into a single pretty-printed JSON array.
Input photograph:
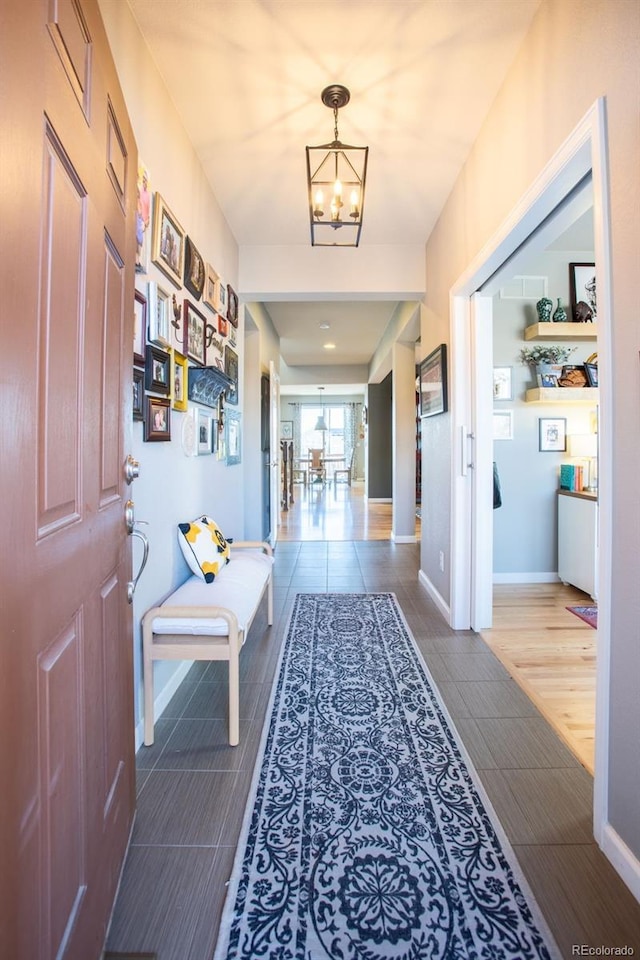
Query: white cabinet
[{"x": 578, "y": 540}]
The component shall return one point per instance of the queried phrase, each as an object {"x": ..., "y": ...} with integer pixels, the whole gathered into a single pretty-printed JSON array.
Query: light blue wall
[{"x": 525, "y": 526}]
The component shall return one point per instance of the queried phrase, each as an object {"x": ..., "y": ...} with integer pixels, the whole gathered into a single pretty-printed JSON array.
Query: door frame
[{"x": 583, "y": 153}]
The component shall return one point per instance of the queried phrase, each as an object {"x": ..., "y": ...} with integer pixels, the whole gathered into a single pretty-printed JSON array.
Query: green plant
[{"x": 545, "y": 353}]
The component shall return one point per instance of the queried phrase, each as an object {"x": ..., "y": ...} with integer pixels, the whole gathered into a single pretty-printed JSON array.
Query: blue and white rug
[{"x": 366, "y": 835}]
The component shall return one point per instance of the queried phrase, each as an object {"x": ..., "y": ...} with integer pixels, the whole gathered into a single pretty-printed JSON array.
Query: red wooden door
[{"x": 67, "y": 183}]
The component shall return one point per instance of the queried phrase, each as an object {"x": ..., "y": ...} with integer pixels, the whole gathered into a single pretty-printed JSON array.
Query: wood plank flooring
[{"x": 551, "y": 654}]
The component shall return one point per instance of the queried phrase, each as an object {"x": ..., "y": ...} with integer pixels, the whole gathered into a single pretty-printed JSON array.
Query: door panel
[
  {"x": 67, "y": 198},
  {"x": 274, "y": 442}
]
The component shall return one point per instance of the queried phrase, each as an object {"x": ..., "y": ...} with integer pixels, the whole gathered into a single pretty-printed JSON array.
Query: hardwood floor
[{"x": 551, "y": 654}]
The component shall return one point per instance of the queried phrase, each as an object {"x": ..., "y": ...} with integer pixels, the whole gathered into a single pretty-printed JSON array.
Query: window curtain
[{"x": 350, "y": 427}]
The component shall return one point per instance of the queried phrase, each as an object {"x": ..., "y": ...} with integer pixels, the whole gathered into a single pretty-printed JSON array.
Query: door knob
[{"x": 131, "y": 469}]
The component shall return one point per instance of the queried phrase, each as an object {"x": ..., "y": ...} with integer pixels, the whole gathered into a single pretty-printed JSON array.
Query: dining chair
[
  {"x": 345, "y": 471},
  {"x": 317, "y": 469}
]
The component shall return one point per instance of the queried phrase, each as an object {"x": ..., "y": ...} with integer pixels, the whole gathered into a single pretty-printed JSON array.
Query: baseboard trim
[
  {"x": 622, "y": 859},
  {"x": 380, "y": 499},
  {"x": 526, "y": 577},
  {"x": 162, "y": 700},
  {"x": 437, "y": 598},
  {"x": 403, "y": 539}
]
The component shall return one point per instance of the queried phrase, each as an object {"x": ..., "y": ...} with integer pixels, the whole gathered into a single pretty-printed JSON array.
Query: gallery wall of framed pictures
[{"x": 185, "y": 320}]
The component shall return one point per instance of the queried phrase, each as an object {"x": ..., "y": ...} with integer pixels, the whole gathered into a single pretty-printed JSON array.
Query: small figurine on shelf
[{"x": 559, "y": 314}]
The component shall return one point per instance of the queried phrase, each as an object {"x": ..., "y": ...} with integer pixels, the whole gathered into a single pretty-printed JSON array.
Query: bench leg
[
  {"x": 148, "y": 699},
  {"x": 270, "y": 601},
  {"x": 234, "y": 693}
]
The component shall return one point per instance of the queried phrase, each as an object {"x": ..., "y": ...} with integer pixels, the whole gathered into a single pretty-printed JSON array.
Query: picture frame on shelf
[
  {"x": 433, "y": 382},
  {"x": 167, "y": 245},
  {"x": 232, "y": 437},
  {"x": 158, "y": 312},
  {"x": 286, "y": 429},
  {"x": 139, "y": 326},
  {"x": 503, "y": 383},
  {"x": 138, "y": 393},
  {"x": 552, "y": 434},
  {"x": 231, "y": 370},
  {"x": 503, "y": 424},
  {"x": 194, "y": 274},
  {"x": 209, "y": 290},
  {"x": 591, "y": 370},
  {"x": 232, "y": 306},
  {"x": 204, "y": 431},
  {"x": 157, "y": 420},
  {"x": 582, "y": 288},
  {"x": 157, "y": 370},
  {"x": 179, "y": 375},
  {"x": 194, "y": 336}
]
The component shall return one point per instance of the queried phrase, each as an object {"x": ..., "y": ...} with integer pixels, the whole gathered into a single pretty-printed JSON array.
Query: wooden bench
[{"x": 209, "y": 621}]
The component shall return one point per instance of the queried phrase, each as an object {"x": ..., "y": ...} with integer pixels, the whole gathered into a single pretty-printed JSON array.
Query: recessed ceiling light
[
  {"x": 325, "y": 325},
  {"x": 329, "y": 346}
]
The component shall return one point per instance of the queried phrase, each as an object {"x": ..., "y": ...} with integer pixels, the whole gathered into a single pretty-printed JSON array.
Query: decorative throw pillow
[{"x": 204, "y": 547}]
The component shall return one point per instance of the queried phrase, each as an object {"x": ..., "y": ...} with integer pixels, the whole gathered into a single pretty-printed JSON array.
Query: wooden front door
[{"x": 67, "y": 202}]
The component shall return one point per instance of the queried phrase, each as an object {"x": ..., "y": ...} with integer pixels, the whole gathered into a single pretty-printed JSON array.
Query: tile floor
[{"x": 192, "y": 786}]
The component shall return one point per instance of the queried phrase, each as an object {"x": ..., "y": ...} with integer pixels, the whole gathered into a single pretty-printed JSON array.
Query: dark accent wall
[{"x": 380, "y": 471}]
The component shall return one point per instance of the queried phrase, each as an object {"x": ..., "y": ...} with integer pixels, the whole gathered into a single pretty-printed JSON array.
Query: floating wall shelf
[
  {"x": 584, "y": 395},
  {"x": 561, "y": 331},
  {"x": 206, "y": 384}
]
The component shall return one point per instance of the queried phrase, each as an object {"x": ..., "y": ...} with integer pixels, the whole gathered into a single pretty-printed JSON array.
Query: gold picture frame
[
  {"x": 167, "y": 245},
  {"x": 179, "y": 381}
]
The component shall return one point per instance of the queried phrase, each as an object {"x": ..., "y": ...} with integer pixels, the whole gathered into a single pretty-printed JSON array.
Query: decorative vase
[
  {"x": 544, "y": 307},
  {"x": 559, "y": 314}
]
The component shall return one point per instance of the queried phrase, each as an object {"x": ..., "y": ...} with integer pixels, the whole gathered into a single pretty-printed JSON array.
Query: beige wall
[{"x": 575, "y": 52}]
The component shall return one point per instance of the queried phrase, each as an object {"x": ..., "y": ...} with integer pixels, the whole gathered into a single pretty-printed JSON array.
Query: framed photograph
[
  {"x": 139, "y": 326},
  {"x": 232, "y": 306},
  {"x": 179, "y": 381},
  {"x": 158, "y": 315},
  {"x": 221, "y": 297},
  {"x": 157, "y": 370},
  {"x": 548, "y": 380},
  {"x": 193, "y": 269},
  {"x": 167, "y": 245},
  {"x": 591, "y": 370},
  {"x": 433, "y": 382},
  {"x": 582, "y": 289},
  {"x": 232, "y": 436},
  {"x": 143, "y": 219},
  {"x": 157, "y": 419},
  {"x": 194, "y": 333},
  {"x": 138, "y": 393},
  {"x": 223, "y": 326},
  {"x": 503, "y": 425},
  {"x": 204, "y": 434},
  {"x": 552, "y": 434},
  {"x": 286, "y": 429},
  {"x": 502, "y": 383},
  {"x": 209, "y": 289},
  {"x": 231, "y": 370}
]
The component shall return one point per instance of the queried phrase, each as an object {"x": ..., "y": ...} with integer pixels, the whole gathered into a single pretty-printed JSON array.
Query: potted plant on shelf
[{"x": 548, "y": 360}]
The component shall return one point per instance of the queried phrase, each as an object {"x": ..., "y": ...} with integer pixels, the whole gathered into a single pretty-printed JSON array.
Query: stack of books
[{"x": 573, "y": 477}]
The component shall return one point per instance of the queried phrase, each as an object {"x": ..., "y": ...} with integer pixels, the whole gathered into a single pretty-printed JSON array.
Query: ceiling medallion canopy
[{"x": 336, "y": 175}]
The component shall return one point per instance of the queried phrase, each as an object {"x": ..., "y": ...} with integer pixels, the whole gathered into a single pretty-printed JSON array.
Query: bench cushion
[{"x": 237, "y": 586}]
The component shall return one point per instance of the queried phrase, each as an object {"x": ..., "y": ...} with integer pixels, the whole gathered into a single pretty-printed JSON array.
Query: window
[{"x": 331, "y": 440}]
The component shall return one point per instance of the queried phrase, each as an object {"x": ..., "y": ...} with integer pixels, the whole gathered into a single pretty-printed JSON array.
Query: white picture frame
[
  {"x": 158, "y": 314},
  {"x": 503, "y": 383},
  {"x": 503, "y": 425},
  {"x": 204, "y": 426}
]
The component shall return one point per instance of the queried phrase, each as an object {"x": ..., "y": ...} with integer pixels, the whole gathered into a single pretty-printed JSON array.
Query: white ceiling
[{"x": 246, "y": 78}]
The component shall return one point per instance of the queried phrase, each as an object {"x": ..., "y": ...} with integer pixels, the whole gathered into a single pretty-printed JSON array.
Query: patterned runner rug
[
  {"x": 589, "y": 614},
  {"x": 367, "y": 836}
]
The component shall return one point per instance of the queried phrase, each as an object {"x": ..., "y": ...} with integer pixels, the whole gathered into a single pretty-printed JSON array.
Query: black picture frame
[
  {"x": 433, "y": 383},
  {"x": 591, "y": 370},
  {"x": 138, "y": 393},
  {"x": 157, "y": 419},
  {"x": 194, "y": 269},
  {"x": 194, "y": 333},
  {"x": 231, "y": 370},
  {"x": 232, "y": 306},
  {"x": 157, "y": 370},
  {"x": 582, "y": 288}
]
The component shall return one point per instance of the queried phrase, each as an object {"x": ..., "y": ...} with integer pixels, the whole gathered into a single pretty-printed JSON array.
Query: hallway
[{"x": 192, "y": 787}]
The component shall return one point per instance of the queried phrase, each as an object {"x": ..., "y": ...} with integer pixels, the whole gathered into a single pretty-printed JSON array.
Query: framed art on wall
[
  {"x": 157, "y": 370},
  {"x": 204, "y": 434},
  {"x": 158, "y": 315},
  {"x": 502, "y": 389},
  {"x": 139, "y": 326},
  {"x": 552, "y": 434},
  {"x": 209, "y": 290},
  {"x": 194, "y": 333},
  {"x": 143, "y": 219},
  {"x": 231, "y": 370},
  {"x": 503, "y": 425},
  {"x": 138, "y": 393},
  {"x": 193, "y": 269},
  {"x": 433, "y": 382},
  {"x": 157, "y": 419},
  {"x": 232, "y": 305},
  {"x": 221, "y": 297},
  {"x": 167, "y": 245},
  {"x": 286, "y": 429},
  {"x": 178, "y": 381},
  {"x": 232, "y": 436}
]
